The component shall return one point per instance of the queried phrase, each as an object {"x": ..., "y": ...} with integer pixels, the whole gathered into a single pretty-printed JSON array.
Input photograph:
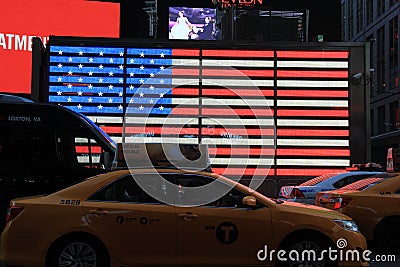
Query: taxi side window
[
  {"x": 350, "y": 179},
  {"x": 232, "y": 199},
  {"x": 124, "y": 189}
]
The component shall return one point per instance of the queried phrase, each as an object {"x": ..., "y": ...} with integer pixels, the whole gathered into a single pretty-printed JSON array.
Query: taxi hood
[{"x": 311, "y": 210}]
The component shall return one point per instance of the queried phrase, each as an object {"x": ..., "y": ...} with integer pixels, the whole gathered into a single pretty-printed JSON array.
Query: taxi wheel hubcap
[
  {"x": 77, "y": 254},
  {"x": 309, "y": 246}
]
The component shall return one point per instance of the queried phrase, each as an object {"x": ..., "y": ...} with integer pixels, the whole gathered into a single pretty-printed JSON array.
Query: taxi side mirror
[{"x": 249, "y": 201}]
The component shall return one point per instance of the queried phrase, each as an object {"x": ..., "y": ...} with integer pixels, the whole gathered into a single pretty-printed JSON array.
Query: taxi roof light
[
  {"x": 166, "y": 155},
  {"x": 369, "y": 166}
]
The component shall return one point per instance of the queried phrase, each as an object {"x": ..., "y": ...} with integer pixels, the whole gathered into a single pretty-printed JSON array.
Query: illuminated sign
[
  {"x": 256, "y": 109},
  {"x": 238, "y": 3},
  {"x": 22, "y": 20}
]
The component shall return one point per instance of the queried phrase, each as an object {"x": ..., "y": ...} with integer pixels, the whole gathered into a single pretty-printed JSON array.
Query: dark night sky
[{"x": 324, "y": 16}]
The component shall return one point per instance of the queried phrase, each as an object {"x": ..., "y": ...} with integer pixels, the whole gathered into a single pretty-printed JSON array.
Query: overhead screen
[
  {"x": 281, "y": 112},
  {"x": 188, "y": 23},
  {"x": 23, "y": 19}
]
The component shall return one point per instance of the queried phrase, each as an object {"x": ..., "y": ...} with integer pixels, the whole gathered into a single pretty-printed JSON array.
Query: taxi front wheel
[
  {"x": 78, "y": 252},
  {"x": 306, "y": 242}
]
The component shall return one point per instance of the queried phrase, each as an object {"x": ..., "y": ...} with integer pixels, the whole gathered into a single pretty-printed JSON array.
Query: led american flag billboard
[{"x": 284, "y": 113}]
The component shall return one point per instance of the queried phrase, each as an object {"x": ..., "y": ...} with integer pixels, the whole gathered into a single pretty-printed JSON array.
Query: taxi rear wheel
[
  {"x": 307, "y": 242},
  {"x": 388, "y": 235},
  {"x": 79, "y": 252}
]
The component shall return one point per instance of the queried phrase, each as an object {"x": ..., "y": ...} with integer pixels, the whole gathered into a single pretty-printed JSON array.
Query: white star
[
  {"x": 121, "y": 80},
  {"x": 100, "y": 106},
  {"x": 131, "y": 61},
  {"x": 152, "y": 75},
  {"x": 111, "y": 60},
  {"x": 70, "y": 59},
  {"x": 152, "y": 61},
  {"x": 141, "y": 94},
  {"x": 161, "y": 95},
  {"x": 80, "y": 93},
  {"x": 69, "y": 86},
  {"x": 151, "y": 101},
  {"x": 121, "y": 94},
  {"x": 131, "y": 74},
  {"x": 90, "y": 60},
  {"x": 142, "y": 54},
  {"x": 60, "y": 52},
  {"x": 59, "y": 79},
  {"x": 69, "y": 99},
  {"x": 131, "y": 87},
  {"x": 59, "y": 65},
  {"x": 121, "y": 54},
  {"x": 131, "y": 101},
  {"x": 81, "y": 53},
  {"x": 162, "y": 68},
  {"x": 79, "y": 106},
  {"x": 80, "y": 66},
  {"x": 162, "y": 55},
  {"x": 59, "y": 93},
  {"x": 161, "y": 108},
  {"x": 80, "y": 79},
  {"x": 120, "y": 107},
  {"x": 110, "y": 73},
  {"x": 141, "y": 81},
  {"x": 110, "y": 87},
  {"x": 100, "y": 93},
  {"x": 141, "y": 107},
  {"x": 121, "y": 67},
  {"x": 101, "y": 66},
  {"x": 101, "y": 53},
  {"x": 70, "y": 72},
  {"x": 90, "y": 86},
  {"x": 110, "y": 100},
  {"x": 100, "y": 80},
  {"x": 142, "y": 67},
  {"x": 90, "y": 73},
  {"x": 161, "y": 81},
  {"x": 90, "y": 100},
  {"x": 151, "y": 87}
]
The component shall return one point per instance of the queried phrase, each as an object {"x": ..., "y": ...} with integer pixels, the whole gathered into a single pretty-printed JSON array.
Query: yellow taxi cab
[
  {"x": 376, "y": 210},
  {"x": 118, "y": 219},
  {"x": 327, "y": 199}
]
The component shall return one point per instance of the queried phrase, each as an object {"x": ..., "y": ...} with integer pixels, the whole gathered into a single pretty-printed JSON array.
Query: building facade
[{"x": 376, "y": 22}]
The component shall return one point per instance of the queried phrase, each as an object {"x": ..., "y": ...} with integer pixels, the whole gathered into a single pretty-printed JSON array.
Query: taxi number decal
[{"x": 70, "y": 202}]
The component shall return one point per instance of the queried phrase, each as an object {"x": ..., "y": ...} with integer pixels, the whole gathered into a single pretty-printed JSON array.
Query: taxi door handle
[
  {"x": 188, "y": 216},
  {"x": 98, "y": 212}
]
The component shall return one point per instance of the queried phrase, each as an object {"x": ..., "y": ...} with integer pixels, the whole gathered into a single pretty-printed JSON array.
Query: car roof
[{"x": 331, "y": 178}]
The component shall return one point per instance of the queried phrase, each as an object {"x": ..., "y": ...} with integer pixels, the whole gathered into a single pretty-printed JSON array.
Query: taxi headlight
[{"x": 347, "y": 225}]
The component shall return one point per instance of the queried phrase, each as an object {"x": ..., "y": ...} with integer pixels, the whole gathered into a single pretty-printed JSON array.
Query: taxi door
[
  {"x": 224, "y": 232},
  {"x": 138, "y": 229}
]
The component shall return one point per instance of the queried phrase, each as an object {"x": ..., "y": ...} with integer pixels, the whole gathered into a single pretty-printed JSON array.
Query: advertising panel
[{"x": 23, "y": 19}]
